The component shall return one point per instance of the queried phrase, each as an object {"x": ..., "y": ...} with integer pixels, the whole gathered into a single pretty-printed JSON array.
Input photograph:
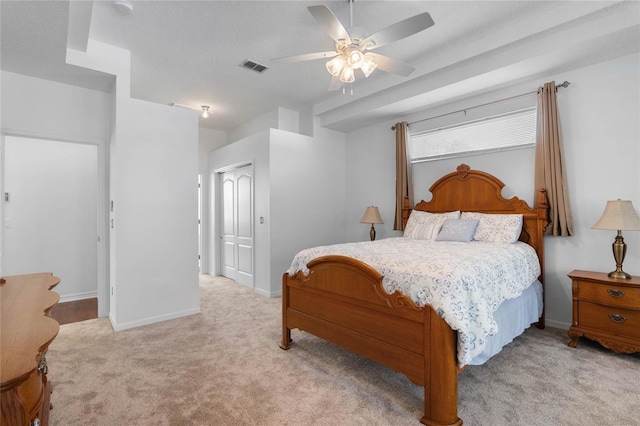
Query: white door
[
  {"x": 51, "y": 213},
  {"x": 237, "y": 225}
]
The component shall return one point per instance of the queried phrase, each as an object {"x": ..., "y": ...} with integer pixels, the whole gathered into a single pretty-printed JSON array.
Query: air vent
[{"x": 250, "y": 65}]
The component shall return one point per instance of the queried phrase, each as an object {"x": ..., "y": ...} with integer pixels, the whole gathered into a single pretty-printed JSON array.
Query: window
[{"x": 498, "y": 133}]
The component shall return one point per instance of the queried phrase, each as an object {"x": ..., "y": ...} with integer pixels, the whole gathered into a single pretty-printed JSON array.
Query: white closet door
[{"x": 237, "y": 225}]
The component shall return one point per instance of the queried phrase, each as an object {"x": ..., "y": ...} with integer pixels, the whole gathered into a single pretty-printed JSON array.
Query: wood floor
[{"x": 78, "y": 310}]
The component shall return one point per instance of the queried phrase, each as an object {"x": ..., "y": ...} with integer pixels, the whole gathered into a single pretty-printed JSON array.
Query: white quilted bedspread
[{"x": 464, "y": 282}]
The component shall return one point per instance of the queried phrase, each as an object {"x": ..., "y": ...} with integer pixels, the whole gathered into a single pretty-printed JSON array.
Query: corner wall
[{"x": 154, "y": 189}]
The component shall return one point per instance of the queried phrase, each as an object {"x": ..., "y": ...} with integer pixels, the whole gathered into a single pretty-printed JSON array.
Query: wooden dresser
[
  {"x": 606, "y": 310},
  {"x": 27, "y": 332}
]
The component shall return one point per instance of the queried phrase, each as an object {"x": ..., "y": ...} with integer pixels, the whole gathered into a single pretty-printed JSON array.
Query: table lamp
[
  {"x": 371, "y": 215},
  {"x": 619, "y": 215}
]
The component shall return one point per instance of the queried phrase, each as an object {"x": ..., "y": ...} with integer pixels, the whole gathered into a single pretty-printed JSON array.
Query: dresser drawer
[
  {"x": 617, "y": 321},
  {"x": 612, "y": 295}
]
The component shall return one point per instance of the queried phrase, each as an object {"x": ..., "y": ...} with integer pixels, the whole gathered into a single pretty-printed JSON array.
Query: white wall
[
  {"x": 153, "y": 157},
  {"x": 599, "y": 119},
  {"x": 51, "y": 215},
  {"x": 154, "y": 190},
  {"x": 278, "y": 118},
  {"x": 208, "y": 140},
  {"x": 33, "y": 107},
  {"x": 59, "y": 111},
  {"x": 308, "y": 195},
  {"x": 299, "y": 191}
]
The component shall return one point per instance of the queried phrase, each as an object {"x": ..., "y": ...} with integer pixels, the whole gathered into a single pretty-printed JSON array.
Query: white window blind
[{"x": 498, "y": 133}]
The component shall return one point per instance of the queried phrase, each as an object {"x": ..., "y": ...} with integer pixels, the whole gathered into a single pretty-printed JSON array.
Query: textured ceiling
[{"x": 189, "y": 52}]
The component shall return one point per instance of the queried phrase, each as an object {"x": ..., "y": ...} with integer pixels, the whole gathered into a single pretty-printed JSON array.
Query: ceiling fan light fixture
[
  {"x": 355, "y": 58},
  {"x": 348, "y": 75},
  {"x": 335, "y": 65},
  {"x": 368, "y": 66}
]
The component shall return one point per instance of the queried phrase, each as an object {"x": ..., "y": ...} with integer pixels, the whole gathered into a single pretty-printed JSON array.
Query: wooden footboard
[{"x": 342, "y": 301}]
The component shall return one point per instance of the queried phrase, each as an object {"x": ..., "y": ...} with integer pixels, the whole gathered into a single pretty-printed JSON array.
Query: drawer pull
[
  {"x": 617, "y": 318},
  {"x": 615, "y": 292}
]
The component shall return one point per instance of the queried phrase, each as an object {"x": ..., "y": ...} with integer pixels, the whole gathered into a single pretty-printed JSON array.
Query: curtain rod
[{"x": 563, "y": 84}]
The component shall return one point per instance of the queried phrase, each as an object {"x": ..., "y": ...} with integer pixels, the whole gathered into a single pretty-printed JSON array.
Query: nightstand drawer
[
  {"x": 612, "y": 295},
  {"x": 617, "y": 321}
]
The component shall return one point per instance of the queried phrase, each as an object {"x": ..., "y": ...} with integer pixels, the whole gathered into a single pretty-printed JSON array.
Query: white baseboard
[
  {"x": 152, "y": 320},
  {"x": 78, "y": 296},
  {"x": 557, "y": 324},
  {"x": 267, "y": 293}
]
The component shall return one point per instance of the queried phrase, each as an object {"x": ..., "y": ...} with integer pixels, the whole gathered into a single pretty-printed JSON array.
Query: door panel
[
  {"x": 245, "y": 260},
  {"x": 228, "y": 259}
]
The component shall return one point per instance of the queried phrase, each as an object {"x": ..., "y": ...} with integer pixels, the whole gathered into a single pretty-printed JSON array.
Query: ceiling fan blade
[
  {"x": 330, "y": 23},
  {"x": 305, "y": 57},
  {"x": 393, "y": 66},
  {"x": 398, "y": 31}
]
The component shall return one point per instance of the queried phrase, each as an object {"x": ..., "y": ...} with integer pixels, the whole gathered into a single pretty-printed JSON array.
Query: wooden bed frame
[{"x": 342, "y": 300}]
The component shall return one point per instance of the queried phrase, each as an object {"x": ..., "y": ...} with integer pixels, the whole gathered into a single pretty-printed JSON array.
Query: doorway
[
  {"x": 51, "y": 221},
  {"x": 237, "y": 227}
]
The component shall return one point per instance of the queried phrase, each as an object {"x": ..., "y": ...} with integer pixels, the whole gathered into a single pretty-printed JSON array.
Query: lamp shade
[
  {"x": 619, "y": 215},
  {"x": 371, "y": 215}
]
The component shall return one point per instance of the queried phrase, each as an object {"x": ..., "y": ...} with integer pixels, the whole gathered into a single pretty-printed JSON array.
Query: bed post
[
  {"x": 286, "y": 331},
  {"x": 440, "y": 372},
  {"x": 406, "y": 211},
  {"x": 543, "y": 221}
]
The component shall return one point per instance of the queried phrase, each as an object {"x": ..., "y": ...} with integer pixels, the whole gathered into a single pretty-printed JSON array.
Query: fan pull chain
[{"x": 344, "y": 89}]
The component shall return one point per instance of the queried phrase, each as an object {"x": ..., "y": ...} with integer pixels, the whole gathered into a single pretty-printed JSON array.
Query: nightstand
[{"x": 606, "y": 310}]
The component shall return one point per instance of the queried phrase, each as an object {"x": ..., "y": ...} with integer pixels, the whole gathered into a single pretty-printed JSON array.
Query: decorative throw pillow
[
  {"x": 426, "y": 218},
  {"x": 496, "y": 228},
  {"x": 458, "y": 230},
  {"x": 426, "y": 232}
]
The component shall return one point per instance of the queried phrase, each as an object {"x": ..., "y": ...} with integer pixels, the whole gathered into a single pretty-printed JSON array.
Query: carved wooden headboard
[{"x": 475, "y": 191}]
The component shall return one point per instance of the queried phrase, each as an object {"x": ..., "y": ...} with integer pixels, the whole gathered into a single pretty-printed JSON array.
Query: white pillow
[
  {"x": 496, "y": 228},
  {"x": 426, "y": 218},
  {"x": 423, "y": 231}
]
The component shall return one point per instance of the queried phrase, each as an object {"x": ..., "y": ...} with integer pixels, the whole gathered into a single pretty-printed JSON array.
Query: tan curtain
[
  {"x": 549, "y": 163},
  {"x": 404, "y": 184}
]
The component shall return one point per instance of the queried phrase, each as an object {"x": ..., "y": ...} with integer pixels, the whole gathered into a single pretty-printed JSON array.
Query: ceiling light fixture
[
  {"x": 123, "y": 6},
  {"x": 204, "y": 109}
]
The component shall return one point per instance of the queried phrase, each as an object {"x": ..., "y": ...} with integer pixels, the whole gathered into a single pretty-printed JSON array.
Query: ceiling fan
[{"x": 354, "y": 46}]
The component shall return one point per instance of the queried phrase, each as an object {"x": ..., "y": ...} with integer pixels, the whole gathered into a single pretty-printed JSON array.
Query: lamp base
[
  {"x": 372, "y": 233},
  {"x": 619, "y": 275},
  {"x": 619, "y": 250}
]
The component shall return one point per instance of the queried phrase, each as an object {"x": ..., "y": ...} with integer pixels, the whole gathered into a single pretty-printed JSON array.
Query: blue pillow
[{"x": 458, "y": 230}]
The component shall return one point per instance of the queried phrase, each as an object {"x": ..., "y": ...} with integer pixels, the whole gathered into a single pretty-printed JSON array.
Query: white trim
[
  {"x": 78, "y": 296},
  {"x": 557, "y": 324},
  {"x": 152, "y": 320},
  {"x": 268, "y": 293}
]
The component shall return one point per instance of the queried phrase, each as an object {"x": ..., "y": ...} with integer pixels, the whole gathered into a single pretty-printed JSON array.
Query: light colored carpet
[{"x": 224, "y": 367}]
